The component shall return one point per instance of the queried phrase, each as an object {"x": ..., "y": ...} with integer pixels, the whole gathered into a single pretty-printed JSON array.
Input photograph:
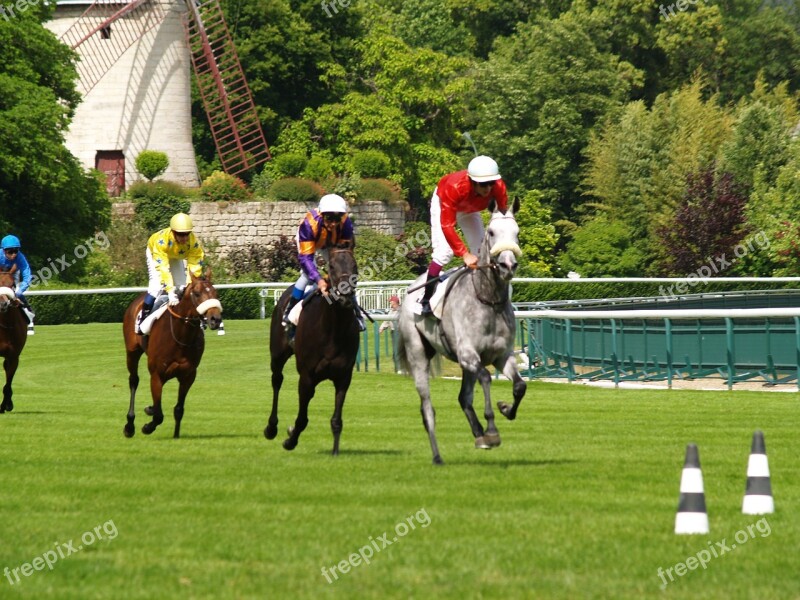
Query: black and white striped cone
[
  {"x": 692, "y": 517},
  {"x": 758, "y": 495}
]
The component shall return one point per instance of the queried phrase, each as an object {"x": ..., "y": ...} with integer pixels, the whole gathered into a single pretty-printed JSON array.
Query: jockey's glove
[{"x": 172, "y": 298}]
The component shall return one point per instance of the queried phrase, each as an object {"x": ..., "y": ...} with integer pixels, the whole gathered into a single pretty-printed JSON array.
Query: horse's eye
[{"x": 491, "y": 233}]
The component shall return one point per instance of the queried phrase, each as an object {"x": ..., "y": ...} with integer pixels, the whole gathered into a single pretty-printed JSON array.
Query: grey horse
[{"x": 476, "y": 330}]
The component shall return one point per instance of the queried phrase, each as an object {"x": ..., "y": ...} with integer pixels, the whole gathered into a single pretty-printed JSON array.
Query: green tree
[
  {"x": 46, "y": 198},
  {"x": 537, "y": 237}
]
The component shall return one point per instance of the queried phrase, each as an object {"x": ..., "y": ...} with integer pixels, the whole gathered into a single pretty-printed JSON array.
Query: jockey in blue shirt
[{"x": 11, "y": 256}]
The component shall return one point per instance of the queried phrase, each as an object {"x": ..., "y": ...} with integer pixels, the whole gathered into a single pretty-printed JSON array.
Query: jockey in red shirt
[{"x": 459, "y": 198}]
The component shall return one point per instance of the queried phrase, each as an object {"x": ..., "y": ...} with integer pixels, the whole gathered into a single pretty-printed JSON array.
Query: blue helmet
[{"x": 10, "y": 241}]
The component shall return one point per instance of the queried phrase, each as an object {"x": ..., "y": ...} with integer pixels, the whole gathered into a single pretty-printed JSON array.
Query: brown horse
[
  {"x": 13, "y": 333},
  {"x": 325, "y": 342},
  {"x": 174, "y": 348}
]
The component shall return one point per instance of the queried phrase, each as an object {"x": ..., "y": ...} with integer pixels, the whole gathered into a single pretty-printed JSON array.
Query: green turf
[{"x": 578, "y": 502}]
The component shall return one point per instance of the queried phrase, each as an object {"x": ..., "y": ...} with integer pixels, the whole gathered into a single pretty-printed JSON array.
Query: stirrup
[{"x": 427, "y": 311}]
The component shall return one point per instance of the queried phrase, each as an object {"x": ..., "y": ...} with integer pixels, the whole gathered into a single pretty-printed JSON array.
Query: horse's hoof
[
  {"x": 8, "y": 406},
  {"x": 129, "y": 431},
  {"x": 148, "y": 410},
  {"x": 289, "y": 445},
  {"x": 506, "y": 409},
  {"x": 481, "y": 443},
  {"x": 148, "y": 428},
  {"x": 437, "y": 460},
  {"x": 493, "y": 439},
  {"x": 270, "y": 432}
]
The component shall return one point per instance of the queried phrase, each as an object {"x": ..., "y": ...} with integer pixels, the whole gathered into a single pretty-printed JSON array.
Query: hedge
[{"x": 239, "y": 303}]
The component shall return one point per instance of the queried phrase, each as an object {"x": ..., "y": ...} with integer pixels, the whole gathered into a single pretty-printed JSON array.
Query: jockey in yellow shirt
[{"x": 171, "y": 252}]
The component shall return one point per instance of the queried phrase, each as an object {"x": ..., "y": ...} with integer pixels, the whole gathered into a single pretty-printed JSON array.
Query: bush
[
  {"x": 371, "y": 164},
  {"x": 382, "y": 190},
  {"x": 221, "y": 187},
  {"x": 274, "y": 262},
  {"x": 295, "y": 189},
  {"x": 151, "y": 164},
  {"x": 156, "y": 202},
  {"x": 290, "y": 164},
  {"x": 318, "y": 168}
]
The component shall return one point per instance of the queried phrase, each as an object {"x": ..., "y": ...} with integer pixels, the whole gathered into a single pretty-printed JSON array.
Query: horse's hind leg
[
  {"x": 10, "y": 365},
  {"x": 133, "y": 384},
  {"x": 510, "y": 371},
  {"x": 185, "y": 382},
  {"x": 306, "y": 393},
  {"x": 336, "y": 420},
  {"x": 156, "y": 388},
  {"x": 276, "y": 365}
]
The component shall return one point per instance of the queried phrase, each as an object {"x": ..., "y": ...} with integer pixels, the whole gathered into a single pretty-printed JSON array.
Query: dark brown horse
[
  {"x": 13, "y": 334},
  {"x": 174, "y": 348},
  {"x": 325, "y": 342}
]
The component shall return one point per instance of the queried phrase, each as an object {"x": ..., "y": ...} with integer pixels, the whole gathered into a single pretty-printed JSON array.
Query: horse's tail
[{"x": 402, "y": 355}]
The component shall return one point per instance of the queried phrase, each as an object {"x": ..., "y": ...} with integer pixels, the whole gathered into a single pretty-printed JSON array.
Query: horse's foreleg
[
  {"x": 492, "y": 436},
  {"x": 156, "y": 389},
  {"x": 10, "y": 365},
  {"x": 133, "y": 383},
  {"x": 427, "y": 410},
  {"x": 306, "y": 392},
  {"x": 337, "y": 424},
  {"x": 185, "y": 382},
  {"x": 465, "y": 399},
  {"x": 510, "y": 371}
]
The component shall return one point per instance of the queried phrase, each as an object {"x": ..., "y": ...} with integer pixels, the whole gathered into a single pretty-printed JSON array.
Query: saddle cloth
[
  {"x": 147, "y": 324},
  {"x": 436, "y": 299}
]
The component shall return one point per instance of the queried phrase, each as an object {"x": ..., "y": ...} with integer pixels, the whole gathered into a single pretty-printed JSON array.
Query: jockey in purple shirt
[{"x": 327, "y": 225}]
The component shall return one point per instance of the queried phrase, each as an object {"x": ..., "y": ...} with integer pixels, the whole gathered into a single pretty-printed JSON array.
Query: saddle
[
  {"x": 159, "y": 308},
  {"x": 294, "y": 314},
  {"x": 436, "y": 299}
]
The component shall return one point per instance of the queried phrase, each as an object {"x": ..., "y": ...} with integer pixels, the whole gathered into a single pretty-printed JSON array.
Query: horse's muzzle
[
  {"x": 506, "y": 265},
  {"x": 214, "y": 319}
]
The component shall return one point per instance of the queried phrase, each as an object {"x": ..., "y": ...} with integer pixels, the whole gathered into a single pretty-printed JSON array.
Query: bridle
[
  {"x": 196, "y": 321},
  {"x": 334, "y": 288}
]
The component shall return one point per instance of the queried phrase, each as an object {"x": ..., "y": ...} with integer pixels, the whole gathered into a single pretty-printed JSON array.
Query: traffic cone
[
  {"x": 758, "y": 495},
  {"x": 692, "y": 517}
]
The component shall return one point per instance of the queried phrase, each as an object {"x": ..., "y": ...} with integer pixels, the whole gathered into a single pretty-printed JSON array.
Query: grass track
[{"x": 578, "y": 502}]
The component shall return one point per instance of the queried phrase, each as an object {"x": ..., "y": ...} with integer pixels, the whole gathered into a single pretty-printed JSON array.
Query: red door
[{"x": 112, "y": 163}]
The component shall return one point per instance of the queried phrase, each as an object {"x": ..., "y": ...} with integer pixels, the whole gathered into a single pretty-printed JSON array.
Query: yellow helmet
[{"x": 181, "y": 223}]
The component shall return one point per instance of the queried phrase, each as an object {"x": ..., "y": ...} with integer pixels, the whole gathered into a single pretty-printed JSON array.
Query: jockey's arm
[
  {"x": 24, "y": 270},
  {"x": 448, "y": 222},
  {"x": 194, "y": 257}
]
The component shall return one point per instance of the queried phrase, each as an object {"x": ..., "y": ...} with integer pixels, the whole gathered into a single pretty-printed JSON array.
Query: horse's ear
[
  {"x": 208, "y": 273},
  {"x": 492, "y": 205},
  {"x": 515, "y": 205}
]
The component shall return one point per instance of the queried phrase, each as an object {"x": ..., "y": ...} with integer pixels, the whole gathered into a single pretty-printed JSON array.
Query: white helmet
[
  {"x": 483, "y": 168},
  {"x": 332, "y": 203}
]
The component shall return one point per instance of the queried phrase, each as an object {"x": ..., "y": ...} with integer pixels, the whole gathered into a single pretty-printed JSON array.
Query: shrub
[
  {"x": 156, "y": 202},
  {"x": 151, "y": 164},
  {"x": 221, "y": 187},
  {"x": 262, "y": 181},
  {"x": 370, "y": 163},
  {"x": 382, "y": 190},
  {"x": 274, "y": 262},
  {"x": 290, "y": 164},
  {"x": 295, "y": 189},
  {"x": 318, "y": 168},
  {"x": 347, "y": 186}
]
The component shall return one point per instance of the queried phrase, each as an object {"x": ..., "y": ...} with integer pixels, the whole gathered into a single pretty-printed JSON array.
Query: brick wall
[{"x": 239, "y": 224}]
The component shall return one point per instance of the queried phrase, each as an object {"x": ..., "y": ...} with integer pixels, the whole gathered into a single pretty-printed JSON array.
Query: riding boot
[
  {"x": 430, "y": 288},
  {"x": 362, "y": 326},
  {"x": 289, "y": 306},
  {"x": 146, "y": 308}
]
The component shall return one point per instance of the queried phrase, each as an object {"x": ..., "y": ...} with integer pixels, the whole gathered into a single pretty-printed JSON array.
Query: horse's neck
[{"x": 488, "y": 287}]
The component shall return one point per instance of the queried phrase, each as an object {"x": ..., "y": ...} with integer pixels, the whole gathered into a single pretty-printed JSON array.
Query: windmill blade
[
  {"x": 228, "y": 102},
  {"x": 91, "y": 35}
]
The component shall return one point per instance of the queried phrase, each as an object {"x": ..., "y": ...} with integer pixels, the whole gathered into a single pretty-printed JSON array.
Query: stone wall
[{"x": 241, "y": 224}]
